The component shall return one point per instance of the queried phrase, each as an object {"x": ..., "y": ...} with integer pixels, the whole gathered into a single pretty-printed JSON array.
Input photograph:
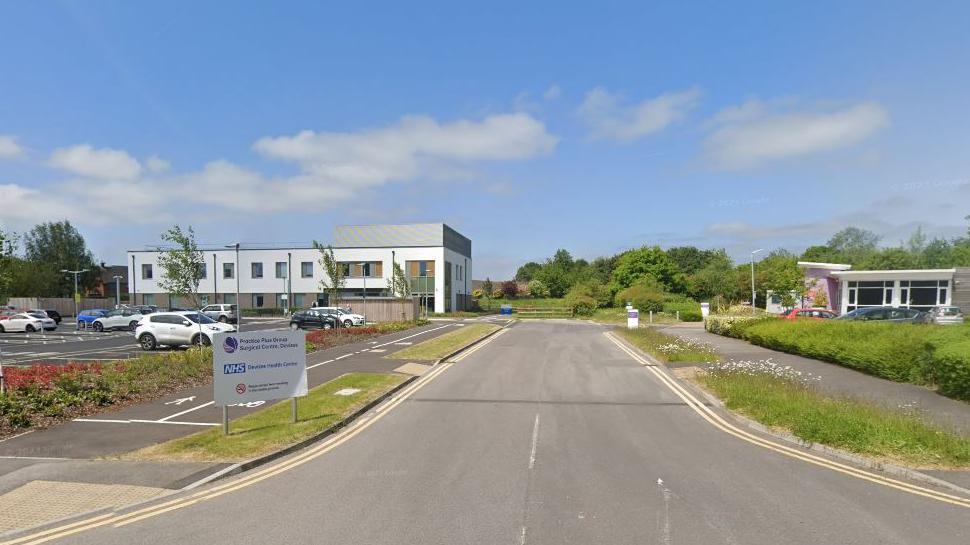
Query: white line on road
[
  {"x": 535, "y": 444},
  {"x": 318, "y": 364},
  {"x": 185, "y": 411},
  {"x": 102, "y": 420}
]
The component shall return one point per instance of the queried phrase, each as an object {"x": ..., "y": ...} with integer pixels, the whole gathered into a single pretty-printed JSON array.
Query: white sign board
[
  {"x": 632, "y": 318},
  {"x": 258, "y": 366},
  {"x": 705, "y": 310}
]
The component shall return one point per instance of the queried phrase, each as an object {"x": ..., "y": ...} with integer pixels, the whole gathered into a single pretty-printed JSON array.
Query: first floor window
[
  {"x": 281, "y": 269},
  {"x": 257, "y": 270},
  {"x": 228, "y": 270},
  {"x": 146, "y": 271},
  {"x": 306, "y": 269}
]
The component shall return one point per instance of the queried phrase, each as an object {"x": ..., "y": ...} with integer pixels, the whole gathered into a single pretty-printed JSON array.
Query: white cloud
[
  {"x": 552, "y": 93},
  {"x": 98, "y": 163},
  {"x": 157, "y": 165},
  {"x": 608, "y": 118},
  {"x": 9, "y": 148},
  {"x": 748, "y": 135}
]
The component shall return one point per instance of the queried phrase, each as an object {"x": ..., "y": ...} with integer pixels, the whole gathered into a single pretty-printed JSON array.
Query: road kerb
[{"x": 872, "y": 465}]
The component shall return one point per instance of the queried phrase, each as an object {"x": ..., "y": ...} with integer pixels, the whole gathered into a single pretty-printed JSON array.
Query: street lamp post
[
  {"x": 75, "y": 273},
  {"x": 363, "y": 271},
  {"x": 753, "y": 294},
  {"x": 238, "y": 302},
  {"x": 117, "y": 278}
]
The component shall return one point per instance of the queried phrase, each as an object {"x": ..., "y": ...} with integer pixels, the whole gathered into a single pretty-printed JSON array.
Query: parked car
[
  {"x": 54, "y": 315},
  {"x": 344, "y": 316},
  {"x": 885, "y": 314},
  {"x": 811, "y": 314},
  {"x": 222, "y": 313},
  {"x": 6, "y": 313},
  {"x": 944, "y": 315},
  {"x": 178, "y": 329},
  {"x": 120, "y": 318},
  {"x": 313, "y": 319},
  {"x": 27, "y": 322},
  {"x": 87, "y": 317}
]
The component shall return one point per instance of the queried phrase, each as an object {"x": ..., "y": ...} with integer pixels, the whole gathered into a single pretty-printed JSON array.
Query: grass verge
[
  {"x": 440, "y": 347},
  {"x": 792, "y": 405},
  {"x": 668, "y": 348},
  {"x": 270, "y": 429}
]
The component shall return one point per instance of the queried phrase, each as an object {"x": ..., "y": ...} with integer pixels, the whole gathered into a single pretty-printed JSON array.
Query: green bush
[
  {"x": 732, "y": 326},
  {"x": 537, "y": 289},
  {"x": 690, "y": 310},
  {"x": 952, "y": 370},
  {"x": 580, "y": 303}
]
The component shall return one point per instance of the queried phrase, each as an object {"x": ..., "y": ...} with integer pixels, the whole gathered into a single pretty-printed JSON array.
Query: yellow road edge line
[
  {"x": 714, "y": 419},
  {"x": 312, "y": 453}
]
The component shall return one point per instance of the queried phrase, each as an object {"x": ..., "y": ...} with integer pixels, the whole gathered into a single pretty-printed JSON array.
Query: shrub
[
  {"x": 478, "y": 294},
  {"x": 538, "y": 289},
  {"x": 951, "y": 369},
  {"x": 497, "y": 294},
  {"x": 580, "y": 303},
  {"x": 732, "y": 326},
  {"x": 645, "y": 296},
  {"x": 690, "y": 310},
  {"x": 510, "y": 289}
]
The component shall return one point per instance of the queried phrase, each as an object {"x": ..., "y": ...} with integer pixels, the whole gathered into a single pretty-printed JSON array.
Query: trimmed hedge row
[{"x": 920, "y": 354}]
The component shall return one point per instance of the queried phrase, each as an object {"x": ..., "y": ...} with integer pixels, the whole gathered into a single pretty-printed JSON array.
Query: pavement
[
  {"x": 842, "y": 381},
  {"x": 85, "y": 450},
  {"x": 548, "y": 433}
]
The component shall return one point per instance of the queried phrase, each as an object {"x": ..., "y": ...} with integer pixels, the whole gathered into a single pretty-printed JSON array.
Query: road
[
  {"x": 66, "y": 344},
  {"x": 549, "y": 433}
]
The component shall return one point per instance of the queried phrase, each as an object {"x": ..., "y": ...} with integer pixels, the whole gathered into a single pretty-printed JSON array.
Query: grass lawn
[
  {"x": 440, "y": 347},
  {"x": 859, "y": 427},
  {"x": 548, "y": 302},
  {"x": 668, "y": 348},
  {"x": 270, "y": 429}
]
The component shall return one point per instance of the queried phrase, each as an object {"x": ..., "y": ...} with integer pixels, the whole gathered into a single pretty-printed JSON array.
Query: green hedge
[
  {"x": 732, "y": 325},
  {"x": 690, "y": 311},
  {"x": 916, "y": 353}
]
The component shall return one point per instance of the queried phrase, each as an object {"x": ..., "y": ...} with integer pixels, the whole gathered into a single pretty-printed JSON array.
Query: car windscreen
[{"x": 200, "y": 318}]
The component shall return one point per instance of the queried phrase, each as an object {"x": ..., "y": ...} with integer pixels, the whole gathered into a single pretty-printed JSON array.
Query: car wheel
[
  {"x": 223, "y": 319},
  {"x": 98, "y": 326},
  {"x": 294, "y": 326},
  {"x": 348, "y": 323},
  {"x": 201, "y": 340},
  {"x": 147, "y": 342},
  {"x": 327, "y": 325},
  {"x": 29, "y": 328},
  {"x": 132, "y": 325},
  {"x": 2, "y": 330}
]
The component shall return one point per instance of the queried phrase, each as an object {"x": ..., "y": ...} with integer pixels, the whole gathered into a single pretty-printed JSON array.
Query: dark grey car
[{"x": 885, "y": 314}]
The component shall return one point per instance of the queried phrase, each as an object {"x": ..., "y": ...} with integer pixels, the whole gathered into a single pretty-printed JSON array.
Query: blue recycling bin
[{"x": 506, "y": 310}]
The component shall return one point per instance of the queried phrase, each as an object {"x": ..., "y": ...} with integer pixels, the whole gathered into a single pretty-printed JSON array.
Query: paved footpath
[
  {"x": 842, "y": 381},
  {"x": 69, "y": 451},
  {"x": 549, "y": 433}
]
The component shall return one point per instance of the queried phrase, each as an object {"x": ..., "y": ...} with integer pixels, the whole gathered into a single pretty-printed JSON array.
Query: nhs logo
[{"x": 233, "y": 368}]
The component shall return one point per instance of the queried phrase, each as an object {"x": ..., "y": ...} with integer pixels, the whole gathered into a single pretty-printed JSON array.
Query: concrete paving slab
[{"x": 411, "y": 368}]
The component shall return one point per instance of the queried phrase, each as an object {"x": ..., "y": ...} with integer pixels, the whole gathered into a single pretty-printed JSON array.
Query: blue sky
[{"x": 528, "y": 127}]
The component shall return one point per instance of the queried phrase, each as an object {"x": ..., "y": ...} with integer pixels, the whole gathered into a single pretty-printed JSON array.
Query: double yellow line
[{"x": 714, "y": 419}]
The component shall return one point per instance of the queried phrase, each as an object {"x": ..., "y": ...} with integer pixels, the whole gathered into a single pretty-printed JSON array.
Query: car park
[
  {"x": 811, "y": 314},
  {"x": 27, "y": 322},
  {"x": 178, "y": 329},
  {"x": 885, "y": 314},
  {"x": 313, "y": 319},
  {"x": 344, "y": 316},
  {"x": 945, "y": 315},
  {"x": 221, "y": 313},
  {"x": 120, "y": 318}
]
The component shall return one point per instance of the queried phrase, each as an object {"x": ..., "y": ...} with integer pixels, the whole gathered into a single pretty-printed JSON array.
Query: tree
[
  {"x": 648, "y": 261},
  {"x": 510, "y": 288},
  {"x": 690, "y": 259},
  {"x": 528, "y": 271},
  {"x": 487, "y": 287},
  {"x": 891, "y": 259},
  {"x": 59, "y": 246},
  {"x": 718, "y": 278},
  {"x": 398, "y": 284},
  {"x": 183, "y": 266},
  {"x": 537, "y": 289},
  {"x": 780, "y": 274},
  {"x": 333, "y": 274},
  {"x": 7, "y": 263},
  {"x": 853, "y": 245}
]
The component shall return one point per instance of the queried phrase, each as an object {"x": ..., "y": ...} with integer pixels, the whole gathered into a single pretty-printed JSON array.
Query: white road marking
[
  {"x": 105, "y": 420},
  {"x": 318, "y": 364},
  {"x": 535, "y": 443},
  {"x": 664, "y": 525},
  {"x": 346, "y": 392},
  {"x": 522, "y": 536},
  {"x": 180, "y": 400},
  {"x": 174, "y": 422},
  {"x": 378, "y": 350},
  {"x": 408, "y": 343},
  {"x": 186, "y": 411}
]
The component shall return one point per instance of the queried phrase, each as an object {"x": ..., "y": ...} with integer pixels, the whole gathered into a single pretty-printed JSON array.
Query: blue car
[{"x": 87, "y": 317}]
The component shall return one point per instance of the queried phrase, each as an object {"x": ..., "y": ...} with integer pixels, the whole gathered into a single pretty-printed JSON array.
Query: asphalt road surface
[
  {"x": 549, "y": 433},
  {"x": 66, "y": 344}
]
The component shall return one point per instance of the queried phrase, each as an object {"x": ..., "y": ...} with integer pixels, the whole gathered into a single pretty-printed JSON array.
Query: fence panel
[{"x": 63, "y": 305}]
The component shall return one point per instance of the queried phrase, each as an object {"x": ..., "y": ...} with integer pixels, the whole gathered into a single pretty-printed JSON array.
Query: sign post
[
  {"x": 705, "y": 310},
  {"x": 258, "y": 366},
  {"x": 632, "y": 318}
]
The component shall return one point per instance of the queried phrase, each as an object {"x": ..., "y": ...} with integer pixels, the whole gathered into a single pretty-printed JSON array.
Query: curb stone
[{"x": 883, "y": 467}]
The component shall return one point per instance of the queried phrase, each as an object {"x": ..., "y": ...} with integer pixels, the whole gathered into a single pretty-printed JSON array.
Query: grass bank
[
  {"x": 668, "y": 348},
  {"x": 320, "y": 339},
  {"x": 916, "y": 353},
  {"x": 443, "y": 345},
  {"x": 271, "y": 429},
  {"x": 781, "y": 399}
]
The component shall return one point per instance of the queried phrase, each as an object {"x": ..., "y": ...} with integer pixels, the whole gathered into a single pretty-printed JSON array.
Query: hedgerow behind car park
[{"x": 917, "y": 353}]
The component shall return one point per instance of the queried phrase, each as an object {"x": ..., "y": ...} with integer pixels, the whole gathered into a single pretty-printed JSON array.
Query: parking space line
[
  {"x": 102, "y": 420},
  {"x": 318, "y": 364},
  {"x": 186, "y": 411},
  {"x": 177, "y": 423}
]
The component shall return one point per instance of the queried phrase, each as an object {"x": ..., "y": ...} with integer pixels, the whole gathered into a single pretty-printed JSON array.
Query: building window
[
  {"x": 257, "y": 299},
  {"x": 297, "y": 300},
  {"x": 359, "y": 269},
  {"x": 257, "y": 270},
  {"x": 306, "y": 269},
  {"x": 280, "y": 301},
  {"x": 146, "y": 271},
  {"x": 229, "y": 298},
  {"x": 203, "y": 271},
  {"x": 420, "y": 268},
  {"x": 228, "y": 270},
  {"x": 281, "y": 269},
  {"x": 148, "y": 299}
]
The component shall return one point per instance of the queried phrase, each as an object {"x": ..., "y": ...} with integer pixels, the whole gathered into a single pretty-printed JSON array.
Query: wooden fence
[
  {"x": 383, "y": 310},
  {"x": 63, "y": 305}
]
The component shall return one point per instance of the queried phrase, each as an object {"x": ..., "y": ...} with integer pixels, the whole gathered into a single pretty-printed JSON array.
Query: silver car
[
  {"x": 221, "y": 313},
  {"x": 945, "y": 315},
  {"x": 119, "y": 318}
]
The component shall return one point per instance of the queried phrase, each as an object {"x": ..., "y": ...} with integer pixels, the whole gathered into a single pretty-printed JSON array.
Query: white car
[
  {"x": 28, "y": 323},
  {"x": 345, "y": 317},
  {"x": 178, "y": 329},
  {"x": 121, "y": 318}
]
